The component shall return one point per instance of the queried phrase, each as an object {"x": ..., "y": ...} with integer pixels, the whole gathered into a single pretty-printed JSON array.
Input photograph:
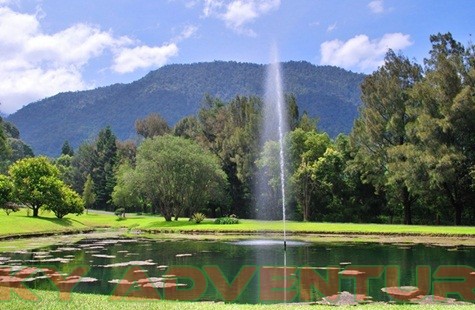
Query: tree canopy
[
  {"x": 174, "y": 174},
  {"x": 36, "y": 184}
]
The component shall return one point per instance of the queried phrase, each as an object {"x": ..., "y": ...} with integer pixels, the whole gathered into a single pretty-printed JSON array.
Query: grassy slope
[{"x": 19, "y": 223}]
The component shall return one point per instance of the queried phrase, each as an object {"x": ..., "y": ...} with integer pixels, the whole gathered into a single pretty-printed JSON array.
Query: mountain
[{"x": 174, "y": 91}]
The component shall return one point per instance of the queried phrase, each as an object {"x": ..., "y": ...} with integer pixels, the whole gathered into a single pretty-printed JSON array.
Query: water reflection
[{"x": 249, "y": 271}]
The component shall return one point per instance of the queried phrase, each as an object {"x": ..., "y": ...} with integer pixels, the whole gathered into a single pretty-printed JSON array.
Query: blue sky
[{"x": 51, "y": 46}]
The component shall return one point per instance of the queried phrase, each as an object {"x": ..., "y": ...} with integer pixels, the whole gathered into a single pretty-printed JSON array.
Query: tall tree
[
  {"x": 305, "y": 149},
  {"x": 381, "y": 127},
  {"x": 231, "y": 132},
  {"x": 83, "y": 164},
  {"x": 445, "y": 124},
  {"x": 67, "y": 149},
  {"x": 88, "y": 195},
  {"x": 104, "y": 167}
]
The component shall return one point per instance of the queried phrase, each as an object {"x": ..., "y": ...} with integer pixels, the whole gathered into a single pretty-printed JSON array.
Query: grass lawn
[
  {"x": 20, "y": 223},
  {"x": 49, "y": 300}
]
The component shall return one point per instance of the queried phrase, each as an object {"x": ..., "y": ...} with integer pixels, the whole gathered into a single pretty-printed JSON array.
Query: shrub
[
  {"x": 120, "y": 212},
  {"x": 227, "y": 220},
  {"x": 198, "y": 217}
]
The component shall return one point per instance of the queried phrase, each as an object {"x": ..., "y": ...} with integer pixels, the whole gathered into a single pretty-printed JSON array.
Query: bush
[
  {"x": 227, "y": 220},
  {"x": 120, "y": 212},
  {"x": 198, "y": 217}
]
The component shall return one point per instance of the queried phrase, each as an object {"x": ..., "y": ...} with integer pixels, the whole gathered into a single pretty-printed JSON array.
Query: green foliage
[
  {"x": 120, "y": 212},
  {"x": 151, "y": 126},
  {"x": 226, "y": 220},
  {"x": 231, "y": 132},
  {"x": 382, "y": 128},
  {"x": 37, "y": 184},
  {"x": 66, "y": 201},
  {"x": 174, "y": 174},
  {"x": 67, "y": 149},
  {"x": 198, "y": 217},
  {"x": 127, "y": 193},
  {"x": 444, "y": 126},
  {"x": 88, "y": 195},
  {"x": 6, "y": 190},
  {"x": 103, "y": 168},
  {"x": 66, "y": 170},
  {"x": 126, "y": 152},
  {"x": 11, "y": 147}
]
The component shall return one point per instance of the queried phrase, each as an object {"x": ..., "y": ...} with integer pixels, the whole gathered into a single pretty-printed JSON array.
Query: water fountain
[
  {"x": 274, "y": 114},
  {"x": 274, "y": 128}
]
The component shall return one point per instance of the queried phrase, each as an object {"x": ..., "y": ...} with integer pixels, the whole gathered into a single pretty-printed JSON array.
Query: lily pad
[
  {"x": 184, "y": 255},
  {"x": 103, "y": 256},
  {"x": 131, "y": 263}
]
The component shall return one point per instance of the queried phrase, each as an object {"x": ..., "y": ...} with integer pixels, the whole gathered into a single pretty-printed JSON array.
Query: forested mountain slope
[{"x": 174, "y": 91}]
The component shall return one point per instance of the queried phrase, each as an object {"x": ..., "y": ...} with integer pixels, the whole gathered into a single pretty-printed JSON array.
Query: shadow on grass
[
  {"x": 65, "y": 222},
  {"x": 173, "y": 223}
]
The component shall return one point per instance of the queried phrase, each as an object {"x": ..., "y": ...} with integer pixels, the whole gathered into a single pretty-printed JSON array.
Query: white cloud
[
  {"x": 236, "y": 14},
  {"x": 130, "y": 59},
  {"x": 361, "y": 53},
  {"x": 331, "y": 27},
  {"x": 35, "y": 64},
  {"x": 376, "y": 6},
  {"x": 187, "y": 32},
  {"x": 211, "y": 6}
]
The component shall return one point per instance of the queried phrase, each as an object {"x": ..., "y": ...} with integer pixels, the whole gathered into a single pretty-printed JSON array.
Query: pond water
[{"x": 250, "y": 271}]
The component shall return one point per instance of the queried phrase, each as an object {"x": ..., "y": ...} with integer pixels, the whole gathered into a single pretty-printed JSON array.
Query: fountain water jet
[
  {"x": 275, "y": 121},
  {"x": 274, "y": 128}
]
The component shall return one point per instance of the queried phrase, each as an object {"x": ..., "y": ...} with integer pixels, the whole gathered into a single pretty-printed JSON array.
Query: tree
[
  {"x": 151, "y": 126},
  {"x": 36, "y": 184},
  {"x": 103, "y": 171},
  {"x": 126, "y": 152},
  {"x": 177, "y": 175},
  {"x": 83, "y": 164},
  {"x": 305, "y": 148},
  {"x": 6, "y": 189},
  {"x": 188, "y": 127},
  {"x": 66, "y": 170},
  {"x": 128, "y": 193},
  {"x": 231, "y": 132},
  {"x": 64, "y": 200},
  {"x": 382, "y": 126},
  {"x": 444, "y": 128},
  {"x": 67, "y": 149},
  {"x": 88, "y": 195},
  {"x": 5, "y": 150}
]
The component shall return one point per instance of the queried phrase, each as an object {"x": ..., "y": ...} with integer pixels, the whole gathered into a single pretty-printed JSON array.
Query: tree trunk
[
  {"x": 35, "y": 211},
  {"x": 406, "y": 202}
]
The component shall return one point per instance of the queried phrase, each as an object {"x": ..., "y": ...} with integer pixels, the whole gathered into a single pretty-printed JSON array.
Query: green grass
[
  {"x": 50, "y": 301},
  {"x": 19, "y": 223}
]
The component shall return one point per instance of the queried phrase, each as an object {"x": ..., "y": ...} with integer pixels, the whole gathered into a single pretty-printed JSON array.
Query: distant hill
[{"x": 174, "y": 91}]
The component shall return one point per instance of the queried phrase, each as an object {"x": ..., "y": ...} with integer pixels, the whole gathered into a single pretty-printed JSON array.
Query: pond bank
[
  {"x": 37, "y": 240},
  {"x": 408, "y": 239}
]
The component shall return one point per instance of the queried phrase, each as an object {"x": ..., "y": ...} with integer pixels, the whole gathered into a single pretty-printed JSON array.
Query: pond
[{"x": 251, "y": 271}]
